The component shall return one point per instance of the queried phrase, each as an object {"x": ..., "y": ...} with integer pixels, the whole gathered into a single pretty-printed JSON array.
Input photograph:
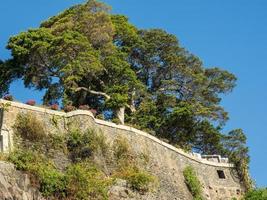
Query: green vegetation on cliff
[
  {"x": 82, "y": 176},
  {"x": 193, "y": 183},
  {"x": 256, "y": 194}
]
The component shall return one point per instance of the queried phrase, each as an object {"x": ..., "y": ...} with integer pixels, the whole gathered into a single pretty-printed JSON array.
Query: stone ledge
[{"x": 113, "y": 125}]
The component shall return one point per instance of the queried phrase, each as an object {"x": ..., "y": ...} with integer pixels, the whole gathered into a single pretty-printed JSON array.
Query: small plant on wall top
[
  {"x": 54, "y": 107},
  {"x": 8, "y": 97},
  {"x": 193, "y": 183},
  {"x": 31, "y": 102},
  {"x": 84, "y": 107},
  {"x": 69, "y": 108},
  {"x": 29, "y": 127}
]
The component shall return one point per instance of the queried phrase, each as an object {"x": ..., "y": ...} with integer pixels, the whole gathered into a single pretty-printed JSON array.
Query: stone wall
[{"x": 166, "y": 161}]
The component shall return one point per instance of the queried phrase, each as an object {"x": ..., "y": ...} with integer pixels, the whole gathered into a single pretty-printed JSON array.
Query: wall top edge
[{"x": 110, "y": 124}]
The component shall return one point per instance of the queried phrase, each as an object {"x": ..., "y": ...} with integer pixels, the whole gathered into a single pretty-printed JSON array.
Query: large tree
[
  {"x": 73, "y": 57},
  {"x": 86, "y": 55}
]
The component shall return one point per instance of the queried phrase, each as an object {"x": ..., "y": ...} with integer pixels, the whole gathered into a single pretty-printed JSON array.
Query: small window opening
[{"x": 221, "y": 174}]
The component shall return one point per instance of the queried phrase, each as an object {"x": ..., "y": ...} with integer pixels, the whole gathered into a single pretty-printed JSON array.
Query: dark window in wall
[{"x": 221, "y": 174}]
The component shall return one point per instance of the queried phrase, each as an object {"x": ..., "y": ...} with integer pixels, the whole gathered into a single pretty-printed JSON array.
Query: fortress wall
[{"x": 166, "y": 161}]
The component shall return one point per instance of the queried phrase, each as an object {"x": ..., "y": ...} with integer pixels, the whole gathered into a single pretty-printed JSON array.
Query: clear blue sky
[{"x": 229, "y": 34}]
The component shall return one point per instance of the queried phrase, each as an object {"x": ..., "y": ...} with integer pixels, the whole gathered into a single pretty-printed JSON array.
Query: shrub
[
  {"x": 94, "y": 111},
  {"x": 193, "y": 183},
  {"x": 84, "y": 107},
  {"x": 128, "y": 168},
  {"x": 8, "y": 97},
  {"x": 84, "y": 145},
  {"x": 31, "y": 102},
  {"x": 85, "y": 181},
  {"x": 69, "y": 108},
  {"x": 257, "y": 194},
  {"x": 22, "y": 159},
  {"x": 122, "y": 151},
  {"x": 57, "y": 142},
  {"x": 52, "y": 182},
  {"x": 137, "y": 179},
  {"x": 29, "y": 127},
  {"x": 54, "y": 107},
  {"x": 100, "y": 116}
]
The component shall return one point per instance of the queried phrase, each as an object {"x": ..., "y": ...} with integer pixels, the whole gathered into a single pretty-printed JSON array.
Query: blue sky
[{"x": 228, "y": 34}]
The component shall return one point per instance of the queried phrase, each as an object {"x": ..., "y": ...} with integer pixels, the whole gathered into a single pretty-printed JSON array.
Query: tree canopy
[{"x": 144, "y": 77}]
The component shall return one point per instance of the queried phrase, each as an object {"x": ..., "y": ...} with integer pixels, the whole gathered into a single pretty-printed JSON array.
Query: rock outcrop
[{"x": 15, "y": 185}]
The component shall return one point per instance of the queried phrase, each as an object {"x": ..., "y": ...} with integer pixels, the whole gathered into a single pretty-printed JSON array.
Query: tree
[
  {"x": 72, "y": 56},
  {"x": 236, "y": 149},
  {"x": 207, "y": 138},
  {"x": 7, "y": 75},
  {"x": 88, "y": 56}
]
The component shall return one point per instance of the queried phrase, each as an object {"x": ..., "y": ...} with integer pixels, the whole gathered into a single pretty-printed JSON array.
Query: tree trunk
[{"x": 120, "y": 114}]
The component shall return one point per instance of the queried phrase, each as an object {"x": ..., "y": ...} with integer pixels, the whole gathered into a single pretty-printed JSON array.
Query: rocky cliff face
[{"x": 15, "y": 185}]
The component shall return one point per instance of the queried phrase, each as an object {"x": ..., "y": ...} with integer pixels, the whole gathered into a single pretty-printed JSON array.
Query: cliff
[{"x": 217, "y": 177}]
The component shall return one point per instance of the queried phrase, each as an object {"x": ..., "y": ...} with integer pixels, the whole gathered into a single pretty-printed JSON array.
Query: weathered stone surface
[
  {"x": 15, "y": 185},
  {"x": 166, "y": 162}
]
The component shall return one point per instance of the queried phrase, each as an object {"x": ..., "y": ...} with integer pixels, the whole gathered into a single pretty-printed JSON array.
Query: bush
[
  {"x": 85, "y": 181},
  {"x": 52, "y": 182},
  {"x": 84, "y": 107},
  {"x": 22, "y": 159},
  {"x": 100, "y": 116},
  {"x": 94, "y": 111},
  {"x": 69, "y": 108},
  {"x": 54, "y": 107},
  {"x": 128, "y": 168},
  {"x": 31, "y": 102},
  {"x": 193, "y": 183},
  {"x": 137, "y": 179},
  {"x": 84, "y": 145},
  {"x": 8, "y": 97},
  {"x": 122, "y": 151},
  {"x": 257, "y": 194},
  {"x": 29, "y": 127}
]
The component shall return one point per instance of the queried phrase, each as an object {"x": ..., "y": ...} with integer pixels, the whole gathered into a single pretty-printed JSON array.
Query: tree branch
[
  {"x": 93, "y": 92},
  {"x": 131, "y": 107}
]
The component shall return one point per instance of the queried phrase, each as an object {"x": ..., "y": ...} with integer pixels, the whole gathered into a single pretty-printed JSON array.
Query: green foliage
[
  {"x": 85, "y": 180},
  {"x": 256, "y": 194},
  {"x": 234, "y": 146},
  {"x": 207, "y": 138},
  {"x": 82, "y": 178},
  {"x": 139, "y": 180},
  {"x": 147, "y": 116},
  {"x": 80, "y": 181},
  {"x": 83, "y": 145},
  {"x": 128, "y": 168},
  {"x": 193, "y": 183},
  {"x": 29, "y": 127},
  {"x": 52, "y": 181},
  {"x": 56, "y": 142},
  {"x": 121, "y": 149}
]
